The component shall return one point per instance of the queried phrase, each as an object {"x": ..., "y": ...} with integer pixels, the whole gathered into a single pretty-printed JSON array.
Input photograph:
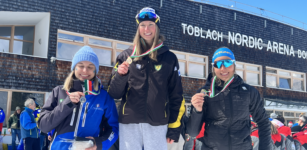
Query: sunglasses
[
  {"x": 226, "y": 63},
  {"x": 150, "y": 15}
]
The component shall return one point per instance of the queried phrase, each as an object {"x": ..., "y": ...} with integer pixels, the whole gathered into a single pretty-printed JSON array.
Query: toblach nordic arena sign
[{"x": 243, "y": 40}]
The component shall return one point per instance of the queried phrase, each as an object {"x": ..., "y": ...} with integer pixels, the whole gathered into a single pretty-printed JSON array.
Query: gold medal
[{"x": 129, "y": 60}]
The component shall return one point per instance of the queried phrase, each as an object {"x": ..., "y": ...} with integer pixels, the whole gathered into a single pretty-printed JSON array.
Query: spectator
[
  {"x": 284, "y": 130},
  {"x": 13, "y": 126},
  {"x": 2, "y": 118},
  {"x": 254, "y": 136},
  {"x": 273, "y": 116},
  {"x": 278, "y": 140},
  {"x": 290, "y": 124},
  {"x": 29, "y": 130}
]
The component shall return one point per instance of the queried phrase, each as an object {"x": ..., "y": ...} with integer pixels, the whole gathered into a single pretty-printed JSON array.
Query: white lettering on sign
[{"x": 243, "y": 40}]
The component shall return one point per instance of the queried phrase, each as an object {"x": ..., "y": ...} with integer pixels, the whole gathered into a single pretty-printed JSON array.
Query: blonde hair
[
  {"x": 273, "y": 129},
  {"x": 142, "y": 45},
  {"x": 70, "y": 78}
]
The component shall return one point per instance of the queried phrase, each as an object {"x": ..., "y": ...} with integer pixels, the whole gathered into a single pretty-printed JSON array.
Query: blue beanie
[
  {"x": 85, "y": 53},
  {"x": 223, "y": 52}
]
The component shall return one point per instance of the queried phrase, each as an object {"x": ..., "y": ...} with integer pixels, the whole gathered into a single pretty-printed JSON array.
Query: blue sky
[{"x": 295, "y": 9}]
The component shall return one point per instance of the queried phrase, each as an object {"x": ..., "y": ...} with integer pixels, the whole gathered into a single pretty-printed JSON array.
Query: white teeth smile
[
  {"x": 224, "y": 74},
  {"x": 84, "y": 75},
  {"x": 147, "y": 33}
]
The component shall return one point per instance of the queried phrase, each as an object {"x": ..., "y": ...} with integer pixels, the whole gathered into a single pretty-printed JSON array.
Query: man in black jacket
[{"x": 227, "y": 108}]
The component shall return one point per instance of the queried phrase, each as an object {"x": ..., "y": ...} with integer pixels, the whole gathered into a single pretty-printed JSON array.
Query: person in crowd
[
  {"x": 300, "y": 136},
  {"x": 278, "y": 140},
  {"x": 225, "y": 104},
  {"x": 301, "y": 125},
  {"x": 81, "y": 108},
  {"x": 284, "y": 130},
  {"x": 29, "y": 129},
  {"x": 36, "y": 113},
  {"x": 290, "y": 124},
  {"x": 13, "y": 126},
  {"x": 2, "y": 119},
  {"x": 255, "y": 135},
  {"x": 147, "y": 79},
  {"x": 191, "y": 142},
  {"x": 273, "y": 116}
]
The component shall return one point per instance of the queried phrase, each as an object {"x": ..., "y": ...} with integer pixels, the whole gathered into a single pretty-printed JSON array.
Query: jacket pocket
[
  {"x": 126, "y": 100},
  {"x": 215, "y": 108}
]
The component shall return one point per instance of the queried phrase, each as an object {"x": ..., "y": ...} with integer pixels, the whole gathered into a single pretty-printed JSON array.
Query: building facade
[{"x": 39, "y": 38}]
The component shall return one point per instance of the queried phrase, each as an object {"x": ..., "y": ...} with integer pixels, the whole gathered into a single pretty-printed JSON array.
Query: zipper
[
  {"x": 230, "y": 123},
  {"x": 73, "y": 117},
  {"x": 77, "y": 125},
  {"x": 145, "y": 114},
  {"x": 36, "y": 132},
  {"x": 126, "y": 100},
  {"x": 53, "y": 140},
  {"x": 165, "y": 110},
  {"x": 84, "y": 115},
  {"x": 30, "y": 132}
]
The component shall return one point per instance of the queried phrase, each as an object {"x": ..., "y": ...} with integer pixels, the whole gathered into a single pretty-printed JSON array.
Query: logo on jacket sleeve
[
  {"x": 244, "y": 88},
  {"x": 111, "y": 137},
  {"x": 116, "y": 67},
  {"x": 97, "y": 105},
  {"x": 158, "y": 67}
]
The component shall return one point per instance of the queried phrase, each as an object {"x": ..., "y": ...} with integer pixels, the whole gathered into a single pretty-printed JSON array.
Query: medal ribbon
[
  {"x": 88, "y": 88},
  {"x": 212, "y": 87},
  {"x": 147, "y": 52}
]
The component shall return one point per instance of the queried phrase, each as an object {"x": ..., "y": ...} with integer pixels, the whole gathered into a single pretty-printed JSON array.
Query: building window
[
  {"x": 280, "y": 113},
  {"x": 17, "y": 39},
  {"x": 192, "y": 65},
  {"x": 106, "y": 49},
  {"x": 285, "y": 79},
  {"x": 289, "y": 114},
  {"x": 251, "y": 74}
]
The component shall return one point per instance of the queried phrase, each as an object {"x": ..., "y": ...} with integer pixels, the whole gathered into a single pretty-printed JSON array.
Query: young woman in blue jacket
[{"x": 81, "y": 102}]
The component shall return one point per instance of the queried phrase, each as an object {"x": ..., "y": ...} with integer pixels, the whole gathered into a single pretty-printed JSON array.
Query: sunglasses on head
[
  {"x": 150, "y": 15},
  {"x": 226, "y": 63}
]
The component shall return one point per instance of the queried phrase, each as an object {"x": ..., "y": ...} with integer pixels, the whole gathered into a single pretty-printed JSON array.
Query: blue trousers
[
  {"x": 42, "y": 139},
  {"x": 15, "y": 132}
]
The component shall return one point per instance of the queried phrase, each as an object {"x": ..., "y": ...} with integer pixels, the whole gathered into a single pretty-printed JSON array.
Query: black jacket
[
  {"x": 151, "y": 92},
  {"x": 227, "y": 118}
]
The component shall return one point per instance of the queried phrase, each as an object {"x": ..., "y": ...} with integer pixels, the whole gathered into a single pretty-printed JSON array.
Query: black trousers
[{"x": 31, "y": 143}]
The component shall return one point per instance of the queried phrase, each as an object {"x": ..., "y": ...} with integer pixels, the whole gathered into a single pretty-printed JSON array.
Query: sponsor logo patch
[{"x": 158, "y": 67}]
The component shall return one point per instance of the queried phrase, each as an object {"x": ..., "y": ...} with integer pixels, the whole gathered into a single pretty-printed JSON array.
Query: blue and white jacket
[
  {"x": 28, "y": 126},
  {"x": 2, "y": 115},
  {"x": 99, "y": 119}
]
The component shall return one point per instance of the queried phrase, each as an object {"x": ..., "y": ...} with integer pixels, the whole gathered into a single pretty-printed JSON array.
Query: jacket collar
[{"x": 28, "y": 109}]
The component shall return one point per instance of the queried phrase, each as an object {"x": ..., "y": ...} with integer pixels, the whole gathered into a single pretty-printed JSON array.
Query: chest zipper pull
[
  {"x": 84, "y": 115},
  {"x": 73, "y": 117}
]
